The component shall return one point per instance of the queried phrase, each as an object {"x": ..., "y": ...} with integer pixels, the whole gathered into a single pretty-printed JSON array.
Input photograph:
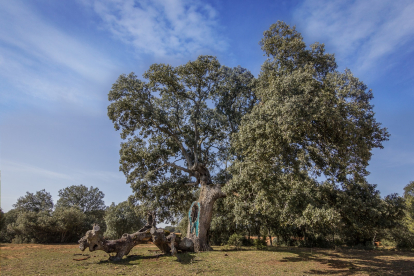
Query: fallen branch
[{"x": 94, "y": 240}]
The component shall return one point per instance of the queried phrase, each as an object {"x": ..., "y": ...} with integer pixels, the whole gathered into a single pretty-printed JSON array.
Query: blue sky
[{"x": 58, "y": 60}]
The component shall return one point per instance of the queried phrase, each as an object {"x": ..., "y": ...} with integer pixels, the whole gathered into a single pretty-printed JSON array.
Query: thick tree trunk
[
  {"x": 200, "y": 215},
  {"x": 201, "y": 211}
]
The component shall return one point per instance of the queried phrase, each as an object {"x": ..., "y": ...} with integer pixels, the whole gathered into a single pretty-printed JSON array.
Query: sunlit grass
[{"x": 34, "y": 259}]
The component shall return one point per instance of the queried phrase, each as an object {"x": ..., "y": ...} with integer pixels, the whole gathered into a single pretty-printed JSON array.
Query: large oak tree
[
  {"x": 177, "y": 125},
  {"x": 312, "y": 121}
]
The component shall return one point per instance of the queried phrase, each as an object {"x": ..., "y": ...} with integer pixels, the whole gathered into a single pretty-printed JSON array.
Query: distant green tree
[
  {"x": 409, "y": 200},
  {"x": 121, "y": 219},
  {"x": 89, "y": 201},
  {"x": 34, "y": 227},
  {"x": 40, "y": 201},
  {"x": 62, "y": 225},
  {"x": 183, "y": 225},
  {"x": 85, "y": 199},
  {"x": 70, "y": 224},
  {"x": 3, "y": 226},
  {"x": 8, "y": 218},
  {"x": 365, "y": 215},
  {"x": 403, "y": 236},
  {"x": 1, "y": 219}
]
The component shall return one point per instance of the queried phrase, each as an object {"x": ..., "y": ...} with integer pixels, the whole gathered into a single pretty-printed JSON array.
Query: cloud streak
[
  {"x": 74, "y": 176},
  {"x": 40, "y": 60},
  {"x": 362, "y": 33},
  {"x": 161, "y": 28},
  {"x": 18, "y": 168}
]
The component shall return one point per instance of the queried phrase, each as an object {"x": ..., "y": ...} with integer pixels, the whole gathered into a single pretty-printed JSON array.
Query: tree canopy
[
  {"x": 177, "y": 124},
  {"x": 311, "y": 122},
  {"x": 121, "y": 219},
  {"x": 87, "y": 200},
  {"x": 35, "y": 202}
]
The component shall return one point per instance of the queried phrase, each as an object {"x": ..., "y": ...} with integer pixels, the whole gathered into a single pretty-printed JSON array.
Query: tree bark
[
  {"x": 94, "y": 240},
  {"x": 201, "y": 211},
  {"x": 199, "y": 233}
]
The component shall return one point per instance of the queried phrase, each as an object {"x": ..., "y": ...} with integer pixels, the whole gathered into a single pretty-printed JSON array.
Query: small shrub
[
  {"x": 260, "y": 244},
  {"x": 403, "y": 238},
  {"x": 388, "y": 243},
  {"x": 235, "y": 240}
]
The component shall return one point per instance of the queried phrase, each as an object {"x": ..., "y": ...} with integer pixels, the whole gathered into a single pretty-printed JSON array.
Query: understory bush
[
  {"x": 403, "y": 238},
  {"x": 260, "y": 244},
  {"x": 236, "y": 240}
]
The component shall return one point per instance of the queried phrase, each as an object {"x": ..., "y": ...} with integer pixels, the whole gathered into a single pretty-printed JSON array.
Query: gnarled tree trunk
[
  {"x": 165, "y": 241},
  {"x": 201, "y": 211}
]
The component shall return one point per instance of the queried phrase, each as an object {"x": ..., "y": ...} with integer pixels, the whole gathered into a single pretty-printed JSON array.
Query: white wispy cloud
[
  {"x": 44, "y": 61},
  {"x": 361, "y": 33},
  {"x": 174, "y": 28},
  {"x": 73, "y": 175},
  {"x": 19, "y": 168}
]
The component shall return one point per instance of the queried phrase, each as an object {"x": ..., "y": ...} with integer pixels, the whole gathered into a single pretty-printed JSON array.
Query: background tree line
[
  {"x": 320, "y": 216},
  {"x": 35, "y": 219}
]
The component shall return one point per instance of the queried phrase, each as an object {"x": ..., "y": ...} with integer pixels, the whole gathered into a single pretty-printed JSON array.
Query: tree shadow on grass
[
  {"x": 349, "y": 262},
  {"x": 183, "y": 258}
]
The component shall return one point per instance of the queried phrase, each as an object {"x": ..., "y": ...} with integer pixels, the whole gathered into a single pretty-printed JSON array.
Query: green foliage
[
  {"x": 70, "y": 224},
  {"x": 34, "y": 227},
  {"x": 403, "y": 238},
  {"x": 33, "y": 219},
  {"x": 311, "y": 121},
  {"x": 365, "y": 216},
  {"x": 236, "y": 240},
  {"x": 260, "y": 244},
  {"x": 182, "y": 226},
  {"x": 87, "y": 200},
  {"x": 177, "y": 118},
  {"x": 121, "y": 219},
  {"x": 63, "y": 225},
  {"x": 8, "y": 218},
  {"x": 409, "y": 201},
  {"x": 222, "y": 225},
  {"x": 300, "y": 120},
  {"x": 1, "y": 219},
  {"x": 40, "y": 201}
]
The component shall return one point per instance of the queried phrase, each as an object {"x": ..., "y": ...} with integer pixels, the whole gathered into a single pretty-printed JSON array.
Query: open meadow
[{"x": 37, "y": 259}]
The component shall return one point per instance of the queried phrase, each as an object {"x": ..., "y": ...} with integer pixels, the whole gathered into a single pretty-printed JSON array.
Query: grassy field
[{"x": 35, "y": 259}]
